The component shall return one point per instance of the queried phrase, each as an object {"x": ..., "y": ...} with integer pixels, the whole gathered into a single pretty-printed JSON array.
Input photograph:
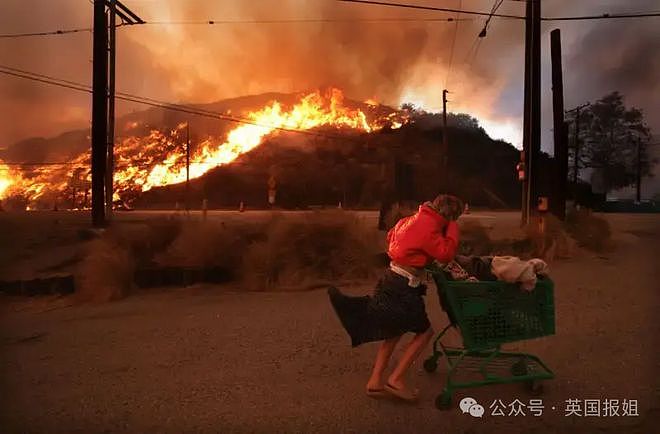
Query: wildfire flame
[{"x": 159, "y": 159}]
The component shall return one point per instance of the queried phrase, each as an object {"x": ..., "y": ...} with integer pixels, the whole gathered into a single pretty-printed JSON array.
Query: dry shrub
[
  {"x": 475, "y": 239},
  {"x": 397, "y": 212},
  {"x": 204, "y": 244},
  {"x": 590, "y": 231},
  {"x": 326, "y": 247},
  {"x": 106, "y": 271},
  {"x": 550, "y": 243}
]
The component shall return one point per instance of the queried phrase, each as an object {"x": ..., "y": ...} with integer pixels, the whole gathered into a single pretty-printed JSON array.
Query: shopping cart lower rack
[{"x": 489, "y": 314}]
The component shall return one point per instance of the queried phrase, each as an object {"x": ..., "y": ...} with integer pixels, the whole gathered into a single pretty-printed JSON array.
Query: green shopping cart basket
[{"x": 489, "y": 314}]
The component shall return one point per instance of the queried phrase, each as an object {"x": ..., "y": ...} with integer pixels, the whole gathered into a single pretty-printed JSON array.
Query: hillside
[
  {"x": 324, "y": 166},
  {"x": 357, "y": 171}
]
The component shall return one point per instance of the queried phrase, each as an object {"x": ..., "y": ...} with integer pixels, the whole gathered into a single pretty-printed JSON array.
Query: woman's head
[{"x": 450, "y": 207}]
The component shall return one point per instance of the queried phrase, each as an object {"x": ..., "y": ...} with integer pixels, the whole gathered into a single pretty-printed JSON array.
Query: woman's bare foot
[
  {"x": 375, "y": 389},
  {"x": 400, "y": 390},
  {"x": 375, "y": 384}
]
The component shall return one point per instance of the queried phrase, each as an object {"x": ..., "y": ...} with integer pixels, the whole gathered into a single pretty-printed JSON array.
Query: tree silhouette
[{"x": 611, "y": 134}]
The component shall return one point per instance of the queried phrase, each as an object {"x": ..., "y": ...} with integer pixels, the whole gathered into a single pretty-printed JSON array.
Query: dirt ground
[{"x": 218, "y": 359}]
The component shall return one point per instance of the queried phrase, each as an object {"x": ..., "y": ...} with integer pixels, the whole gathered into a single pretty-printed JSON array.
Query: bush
[
  {"x": 204, "y": 244},
  {"x": 106, "y": 271},
  {"x": 474, "y": 239},
  {"x": 399, "y": 211},
  {"x": 326, "y": 247},
  {"x": 590, "y": 231},
  {"x": 551, "y": 242}
]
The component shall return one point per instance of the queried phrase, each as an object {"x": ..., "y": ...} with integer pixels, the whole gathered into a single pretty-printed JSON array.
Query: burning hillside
[{"x": 148, "y": 158}]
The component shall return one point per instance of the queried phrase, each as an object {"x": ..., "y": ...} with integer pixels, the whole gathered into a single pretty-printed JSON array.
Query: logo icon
[{"x": 471, "y": 406}]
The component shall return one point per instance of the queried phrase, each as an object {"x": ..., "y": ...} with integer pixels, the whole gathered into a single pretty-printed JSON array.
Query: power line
[
  {"x": 518, "y": 17},
  {"x": 605, "y": 16},
  {"x": 351, "y": 20},
  {"x": 54, "y": 32},
  {"x": 496, "y": 6},
  {"x": 230, "y": 22},
  {"x": 453, "y": 45},
  {"x": 431, "y": 8},
  {"x": 156, "y": 103},
  {"x": 57, "y": 32},
  {"x": 34, "y": 166},
  {"x": 304, "y": 21}
]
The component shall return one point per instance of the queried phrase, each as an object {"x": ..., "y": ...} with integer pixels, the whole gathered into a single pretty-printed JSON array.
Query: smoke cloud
[{"x": 391, "y": 62}]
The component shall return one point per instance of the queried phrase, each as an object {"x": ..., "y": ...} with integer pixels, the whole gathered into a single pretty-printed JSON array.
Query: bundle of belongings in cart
[{"x": 491, "y": 268}]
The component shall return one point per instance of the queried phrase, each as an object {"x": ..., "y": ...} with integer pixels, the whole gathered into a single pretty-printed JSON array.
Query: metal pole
[
  {"x": 109, "y": 183},
  {"x": 99, "y": 113}
]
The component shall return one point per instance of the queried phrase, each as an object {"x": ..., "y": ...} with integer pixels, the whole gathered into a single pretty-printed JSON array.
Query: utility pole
[
  {"x": 445, "y": 143},
  {"x": 109, "y": 175},
  {"x": 532, "y": 111},
  {"x": 187, "y": 166},
  {"x": 558, "y": 200},
  {"x": 103, "y": 107},
  {"x": 99, "y": 113}
]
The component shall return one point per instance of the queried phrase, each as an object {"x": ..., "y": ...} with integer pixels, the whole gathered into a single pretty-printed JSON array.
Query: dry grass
[
  {"x": 399, "y": 211},
  {"x": 475, "y": 239},
  {"x": 326, "y": 247},
  {"x": 590, "y": 231},
  {"x": 204, "y": 244},
  {"x": 548, "y": 241},
  {"x": 106, "y": 272}
]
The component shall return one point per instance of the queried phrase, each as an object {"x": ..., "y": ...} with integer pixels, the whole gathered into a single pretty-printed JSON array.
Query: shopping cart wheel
[
  {"x": 431, "y": 364},
  {"x": 443, "y": 401},
  {"x": 520, "y": 368},
  {"x": 535, "y": 387}
]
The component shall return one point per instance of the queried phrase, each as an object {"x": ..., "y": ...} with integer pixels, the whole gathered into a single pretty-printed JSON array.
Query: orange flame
[{"x": 159, "y": 159}]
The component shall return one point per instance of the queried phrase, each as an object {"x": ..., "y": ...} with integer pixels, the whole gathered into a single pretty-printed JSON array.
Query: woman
[{"x": 397, "y": 307}]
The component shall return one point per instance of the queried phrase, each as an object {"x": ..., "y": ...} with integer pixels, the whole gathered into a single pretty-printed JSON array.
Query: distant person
[{"x": 396, "y": 306}]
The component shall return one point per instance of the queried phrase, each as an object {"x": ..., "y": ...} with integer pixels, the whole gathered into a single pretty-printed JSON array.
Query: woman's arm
[{"x": 443, "y": 247}]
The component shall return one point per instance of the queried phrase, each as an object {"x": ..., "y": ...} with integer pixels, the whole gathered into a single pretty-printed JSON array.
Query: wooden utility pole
[
  {"x": 532, "y": 111},
  {"x": 103, "y": 106},
  {"x": 109, "y": 175},
  {"x": 558, "y": 199},
  {"x": 99, "y": 113}
]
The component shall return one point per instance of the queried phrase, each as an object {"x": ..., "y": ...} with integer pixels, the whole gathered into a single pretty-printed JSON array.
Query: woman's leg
[
  {"x": 382, "y": 359},
  {"x": 417, "y": 344}
]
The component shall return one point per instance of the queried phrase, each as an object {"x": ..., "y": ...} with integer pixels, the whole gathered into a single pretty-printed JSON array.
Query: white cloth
[
  {"x": 413, "y": 281},
  {"x": 514, "y": 270}
]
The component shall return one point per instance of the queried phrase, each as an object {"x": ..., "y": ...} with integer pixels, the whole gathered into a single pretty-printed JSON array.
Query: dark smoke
[{"x": 389, "y": 62}]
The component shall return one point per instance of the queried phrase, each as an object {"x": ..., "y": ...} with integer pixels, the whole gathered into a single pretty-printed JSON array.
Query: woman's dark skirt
[{"x": 393, "y": 310}]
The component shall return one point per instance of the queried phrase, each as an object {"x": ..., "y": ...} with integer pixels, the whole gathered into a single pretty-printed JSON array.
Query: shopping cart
[{"x": 489, "y": 314}]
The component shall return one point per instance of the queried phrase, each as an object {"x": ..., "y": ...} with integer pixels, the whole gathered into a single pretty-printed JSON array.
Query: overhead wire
[
  {"x": 518, "y": 17},
  {"x": 453, "y": 45},
  {"x": 157, "y": 103},
  {"x": 643, "y": 14},
  {"x": 230, "y": 22}
]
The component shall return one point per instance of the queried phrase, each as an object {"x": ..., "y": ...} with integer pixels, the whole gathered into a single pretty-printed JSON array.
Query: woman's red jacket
[{"x": 417, "y": 240}]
